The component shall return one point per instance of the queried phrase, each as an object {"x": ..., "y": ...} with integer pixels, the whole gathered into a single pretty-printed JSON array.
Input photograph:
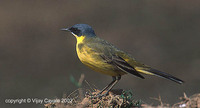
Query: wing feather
[{"x": 121, "y": 64}]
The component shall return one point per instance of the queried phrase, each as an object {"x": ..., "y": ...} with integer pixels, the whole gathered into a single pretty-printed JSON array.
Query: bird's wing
[
  {"x": 121, "y": 64},
  {"x": 110, "y": 54}
]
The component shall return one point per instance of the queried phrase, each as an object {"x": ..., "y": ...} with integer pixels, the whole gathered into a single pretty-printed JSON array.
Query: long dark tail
[{"x": 161, "y": 74}]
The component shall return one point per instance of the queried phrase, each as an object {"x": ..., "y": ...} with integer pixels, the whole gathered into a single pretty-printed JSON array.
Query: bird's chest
[
  {"x": 90, "y": 57},
  {"x": 85, "y": 54}
]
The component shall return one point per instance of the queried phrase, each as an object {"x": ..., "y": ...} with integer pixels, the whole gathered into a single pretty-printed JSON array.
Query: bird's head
[{"x": 79, "y": 30}]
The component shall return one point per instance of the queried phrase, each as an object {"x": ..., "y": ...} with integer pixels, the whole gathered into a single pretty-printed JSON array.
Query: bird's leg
[
  {"x": 99, "y": 94},
  {"x": 114, "y": 83},
  {"x": 114, "y": 79},
  {"x": 109, "y": 87}
]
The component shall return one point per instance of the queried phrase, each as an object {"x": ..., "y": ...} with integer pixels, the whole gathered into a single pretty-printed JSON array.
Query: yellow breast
[
  {"x": 86, "y": 54},
  {"x": 90, "y": 58}
]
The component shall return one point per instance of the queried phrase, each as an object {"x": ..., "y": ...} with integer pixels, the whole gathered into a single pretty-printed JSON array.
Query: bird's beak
[{"x": 65, "y": 29}]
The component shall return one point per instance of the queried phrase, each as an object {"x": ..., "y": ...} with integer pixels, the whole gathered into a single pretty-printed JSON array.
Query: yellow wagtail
[{"x": 103, "y": 57}]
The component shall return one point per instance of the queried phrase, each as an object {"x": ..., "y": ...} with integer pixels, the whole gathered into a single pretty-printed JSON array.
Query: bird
[{"x": 102, "y": 56}]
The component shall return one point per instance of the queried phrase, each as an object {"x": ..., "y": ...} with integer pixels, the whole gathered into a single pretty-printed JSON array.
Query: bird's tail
[{"x": 152, "y": 71}]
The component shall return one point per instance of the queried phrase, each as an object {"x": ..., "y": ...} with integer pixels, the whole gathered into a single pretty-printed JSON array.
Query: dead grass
[
  {"x": 121, "y": 99},
  {"x": 117, "y": 98}
]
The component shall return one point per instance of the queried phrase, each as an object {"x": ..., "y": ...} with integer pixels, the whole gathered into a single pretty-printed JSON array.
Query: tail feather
[{"x": 161, "y": 74}]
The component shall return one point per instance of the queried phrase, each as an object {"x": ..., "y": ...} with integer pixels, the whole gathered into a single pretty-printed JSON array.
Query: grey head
[{"x": 81, "y": 30}]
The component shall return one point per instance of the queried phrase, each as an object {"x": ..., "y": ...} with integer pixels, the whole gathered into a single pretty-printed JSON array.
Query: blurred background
[{"x": 37, "y": 59}]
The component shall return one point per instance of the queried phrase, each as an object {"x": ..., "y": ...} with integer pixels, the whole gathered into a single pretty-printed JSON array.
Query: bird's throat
[{"x": 80, "y": 39}]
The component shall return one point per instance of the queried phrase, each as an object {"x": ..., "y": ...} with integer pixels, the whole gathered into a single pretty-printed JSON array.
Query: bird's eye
[{"x": 75, "y": 31}]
